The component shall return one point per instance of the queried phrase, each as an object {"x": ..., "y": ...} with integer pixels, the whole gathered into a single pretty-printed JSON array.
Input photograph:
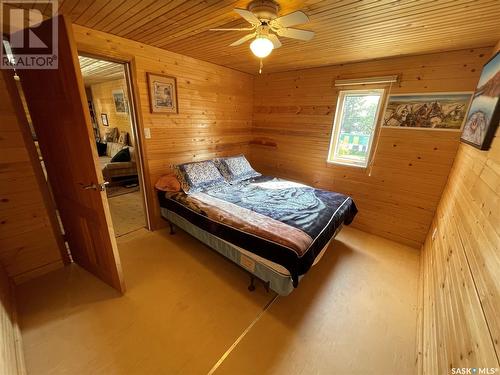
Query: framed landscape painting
[
  {"x": 484, "y": 113},
  {"x": 162, "y": 93},
  {"x": 438, "y": 111}
]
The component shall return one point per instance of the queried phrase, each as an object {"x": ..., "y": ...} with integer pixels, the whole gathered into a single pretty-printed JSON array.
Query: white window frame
[{"x": 339, "y": 113}]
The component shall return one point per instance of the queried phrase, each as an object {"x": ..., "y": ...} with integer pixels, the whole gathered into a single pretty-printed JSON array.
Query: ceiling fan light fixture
[{"x": 261, "y": 47}]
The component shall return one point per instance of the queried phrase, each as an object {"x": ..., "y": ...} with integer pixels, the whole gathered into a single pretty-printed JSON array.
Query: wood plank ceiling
[
  {"x": 97, "y": 71},
  {"x": 346, "y": 30}
]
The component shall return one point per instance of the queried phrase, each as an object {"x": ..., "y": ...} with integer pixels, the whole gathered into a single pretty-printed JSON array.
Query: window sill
[{"x": 331, "y": 162}]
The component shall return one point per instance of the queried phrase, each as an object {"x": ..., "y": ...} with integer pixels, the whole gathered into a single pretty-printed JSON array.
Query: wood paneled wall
[
  {"x": 292, "y": 123},
  {"x": 102, "y": 97},
  {"x": 29, "y": 245},
  {"x": 11, "y": 356},
  {"x": 460, "y": 268},
  {"x": 215, "y": 105}
]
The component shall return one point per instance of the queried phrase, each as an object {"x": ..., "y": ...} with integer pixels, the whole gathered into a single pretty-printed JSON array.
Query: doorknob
[{"x": 100, "y": 187}]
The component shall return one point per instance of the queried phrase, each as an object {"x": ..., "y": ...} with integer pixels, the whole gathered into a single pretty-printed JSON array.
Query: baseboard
[{"x": 42, "y": 270}]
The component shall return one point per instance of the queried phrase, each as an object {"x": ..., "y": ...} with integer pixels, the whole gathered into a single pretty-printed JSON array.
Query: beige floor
[
  {"x": 354, "y": 313},
  {"x": 127, "y": 212}
]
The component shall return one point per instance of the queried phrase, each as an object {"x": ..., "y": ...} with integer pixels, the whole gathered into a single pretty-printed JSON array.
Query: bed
[{"x": 273, "y": 228}]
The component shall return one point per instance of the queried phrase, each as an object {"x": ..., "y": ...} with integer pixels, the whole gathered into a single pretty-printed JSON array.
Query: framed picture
[
  {"x": 484, "y": 113},
  {"x": 119, "y": 100},
  {"x": 104, "y": 119},
  {"x": 434, "y": 111},
  {"x": 162, "y": 93}
]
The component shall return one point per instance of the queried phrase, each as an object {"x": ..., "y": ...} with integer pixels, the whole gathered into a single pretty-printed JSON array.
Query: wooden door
[{"x": 58, "y": 108}]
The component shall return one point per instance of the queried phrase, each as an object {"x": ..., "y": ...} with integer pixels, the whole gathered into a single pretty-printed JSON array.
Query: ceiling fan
[{"x": 267, "y": 26}]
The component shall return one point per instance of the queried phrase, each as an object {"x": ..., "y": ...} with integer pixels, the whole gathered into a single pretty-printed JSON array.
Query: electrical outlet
[
  {"x": 434, "y": 234},
  {"x": 147, "y": 133}
]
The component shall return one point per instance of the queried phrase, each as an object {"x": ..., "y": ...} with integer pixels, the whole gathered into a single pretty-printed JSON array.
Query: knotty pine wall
[
  {"x": 28, "y": 239},
  {"x": 215, "y": 105},
  {"x": 292, "y": 123},
  {"x": 102, "y": 97},
  {"x": 460, "y": 283},
  {"x": 11, "y": 355}
]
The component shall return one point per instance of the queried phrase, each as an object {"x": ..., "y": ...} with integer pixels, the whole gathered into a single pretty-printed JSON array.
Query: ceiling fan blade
[
  {"x": 295, "y": 33},
  {"x": 249, "y": 16},
  {"x": 292, "y": 19},
  {"x": 241, "y": 29},
  {"x": 242, "y": 40},
  {"x": 274, "y": 39}
]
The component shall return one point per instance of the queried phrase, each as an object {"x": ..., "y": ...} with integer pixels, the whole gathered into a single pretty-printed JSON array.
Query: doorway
[{"x": 108, "y": 94}]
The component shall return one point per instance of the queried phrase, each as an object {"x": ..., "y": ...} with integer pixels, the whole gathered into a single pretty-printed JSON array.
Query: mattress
[
  {"x": 286, "y": 223},
  {"x": 274, "y": 266}
]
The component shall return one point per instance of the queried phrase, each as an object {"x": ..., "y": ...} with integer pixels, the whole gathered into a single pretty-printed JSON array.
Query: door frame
[{"x": 136, "y": 123}]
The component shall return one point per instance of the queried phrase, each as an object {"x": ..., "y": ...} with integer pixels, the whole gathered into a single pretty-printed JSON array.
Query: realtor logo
[{"x": 27, "y": 45}]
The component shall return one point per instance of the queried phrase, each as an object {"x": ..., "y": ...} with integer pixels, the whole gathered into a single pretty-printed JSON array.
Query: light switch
[{"x": 147, "y": 133}]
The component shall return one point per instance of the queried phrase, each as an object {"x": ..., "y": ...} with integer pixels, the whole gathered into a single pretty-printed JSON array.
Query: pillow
[
  {"x": 236, "y": 168},
  {"x": 195, "y": 177},
  {"x": 168, "y": 182},
  {"x": 122, "y": 155},
  {"x": 112, "y": 148}
]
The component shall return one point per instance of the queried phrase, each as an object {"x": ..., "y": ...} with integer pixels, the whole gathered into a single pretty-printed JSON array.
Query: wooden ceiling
[
  {"x": 346, "y": 30},
  {"x": 97, "y": 71}
]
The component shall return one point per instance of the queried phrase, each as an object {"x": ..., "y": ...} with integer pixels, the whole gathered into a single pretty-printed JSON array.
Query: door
[{"x": 57, "y": 105}]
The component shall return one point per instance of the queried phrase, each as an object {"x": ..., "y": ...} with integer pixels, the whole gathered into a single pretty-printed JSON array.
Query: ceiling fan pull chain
[{"x": 260, "y": 67}]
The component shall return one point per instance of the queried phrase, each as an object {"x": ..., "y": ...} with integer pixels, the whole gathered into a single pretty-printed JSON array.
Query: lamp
[{"x": 261, "y": 47}]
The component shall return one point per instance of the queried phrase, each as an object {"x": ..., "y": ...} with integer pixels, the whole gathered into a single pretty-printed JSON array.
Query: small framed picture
[
  {"x": 162, "y": 93},
  {"x": 104, "y": 119}
]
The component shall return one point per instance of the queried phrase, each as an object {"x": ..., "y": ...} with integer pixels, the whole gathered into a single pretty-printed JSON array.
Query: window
[{"x": 354, "y": 127}]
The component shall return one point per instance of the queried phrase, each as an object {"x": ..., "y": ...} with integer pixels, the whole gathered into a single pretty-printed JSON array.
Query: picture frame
[
  {"x": 162, "y": 93},
  {"x": 443, "y": 111},
  {"x": 104, "y": 119},
  {"x": 483, "y": 116},
  {"x": 119, "y": 101}
]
